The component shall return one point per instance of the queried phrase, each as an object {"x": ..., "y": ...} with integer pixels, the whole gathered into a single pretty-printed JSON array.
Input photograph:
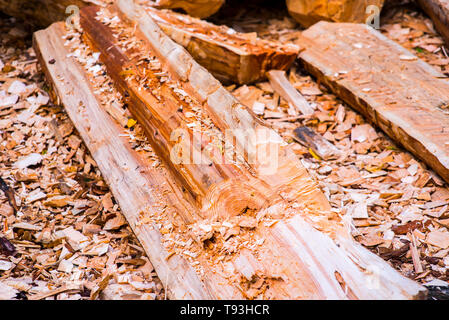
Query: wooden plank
[
  {"x": 135, "y": 190},
  {"x": 311, "y": 265},
  {"x": 404, "y": 96},
  {"x": 232, "y": 57},
  {"x": 438, "y": 10},
  {"x": 43, "y": 12},
  {"x": 283, "y": 87}
]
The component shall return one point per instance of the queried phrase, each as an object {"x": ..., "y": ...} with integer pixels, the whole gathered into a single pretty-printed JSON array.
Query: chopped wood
[
  {"x": 195, "y": 8},
  {"x": 315, "y": 266},
  {"x": 231, "y": 56},
  {"x": 407, "y": 99},
  {"x": 41, "y": 13},
  {"x": 322, "y": 147},
  {"x": 308, "y": 12},
  {"x": 438, "y": 10}
]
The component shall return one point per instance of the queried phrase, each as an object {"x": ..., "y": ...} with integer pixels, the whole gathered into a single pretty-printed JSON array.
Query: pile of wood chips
[
  {"x": 397, "y": 206},
  {"x": 62, "y": 235}
]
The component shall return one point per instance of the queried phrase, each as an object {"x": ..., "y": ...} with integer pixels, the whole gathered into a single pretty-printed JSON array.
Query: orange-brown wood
[{"x": 288, "y": 246}]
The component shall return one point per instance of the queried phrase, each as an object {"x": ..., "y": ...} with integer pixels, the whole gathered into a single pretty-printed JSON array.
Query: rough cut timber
[
  {"x": 311, "y": 264},
  {"x": 438, "y": 10},
  {"x": 230, "y": 56},
  {"x": 195, "y": 8},
  {"x": 308, "y": 12},
  {"x": 135, "y": 190},
  {"x": 404, "y": 96}
]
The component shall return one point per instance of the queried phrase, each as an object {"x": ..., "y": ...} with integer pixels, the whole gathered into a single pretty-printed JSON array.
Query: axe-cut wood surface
[
  {"x": 138, "y": 186},
  {"x": 438, "y": 10},
  {"x": 232, "y": 57},
  {"x": 285, "y": 241},
  {"x": 195, "y": 8},
  {"x": 404, "y": 96}
]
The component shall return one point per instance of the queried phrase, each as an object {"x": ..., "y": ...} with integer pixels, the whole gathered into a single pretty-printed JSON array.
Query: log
[
  {"x": 283, "y": 87},
  {"x": 135, "y": 190},
  {"x": 232, "y": 57},
  {"x": 438, "y": 11},
  {"x": 195, "y": 8},
  {"x": 308, "y": 12},
  {"x": 258, "y": 200},
  {"x": 404, "y": 96}
]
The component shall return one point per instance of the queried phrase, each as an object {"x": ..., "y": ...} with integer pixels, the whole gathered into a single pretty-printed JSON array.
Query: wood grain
[
  {"x": 438, "y": 10},
  {"x": 404, "y": 96}
]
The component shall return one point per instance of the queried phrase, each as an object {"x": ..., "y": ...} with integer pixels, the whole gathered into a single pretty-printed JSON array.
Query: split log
[
  {"x": 136, "y": 190},
  {"x": 283, "y": 87},
  {"x": 438, "y": 10},
  {"x": 195, "y": 8},
  {"x": 309, "y": 138},
  {"x": 312, "y": 264},
  {"x": 232, "y": 57},
  {"x": 404, "y": 96},
  {"x": 308, "y": 12}
]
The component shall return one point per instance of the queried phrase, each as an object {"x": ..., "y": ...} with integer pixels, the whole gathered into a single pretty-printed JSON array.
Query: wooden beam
[
  {"x": 137, "y": 191},
  {"x": 283, "y": 87},
  {"x": 43, "y": 12},
  {"x": 312, "y": 263},
  {"x": 438, "y": 11},
  {"x": 404, "y": 96},
  {"x": 322, "y": 147},
  {"x": 232, "y": 57}
]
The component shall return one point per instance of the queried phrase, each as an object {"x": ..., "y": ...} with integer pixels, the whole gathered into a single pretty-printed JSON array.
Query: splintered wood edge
[{"x": 100, "y": 134}]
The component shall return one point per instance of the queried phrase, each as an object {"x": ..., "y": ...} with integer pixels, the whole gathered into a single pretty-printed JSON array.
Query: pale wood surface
[
  {"x": 404, "y": 96},
  {"x": 308, "y": 12}
]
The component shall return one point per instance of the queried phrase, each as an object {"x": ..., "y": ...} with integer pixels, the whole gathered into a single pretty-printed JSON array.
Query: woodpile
[
  {"x": 256, "y": 190},
  {"x": 438, "y": 10},
  {"x": 308, "y": 12},
  {"x": 240, "y": 209}
]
